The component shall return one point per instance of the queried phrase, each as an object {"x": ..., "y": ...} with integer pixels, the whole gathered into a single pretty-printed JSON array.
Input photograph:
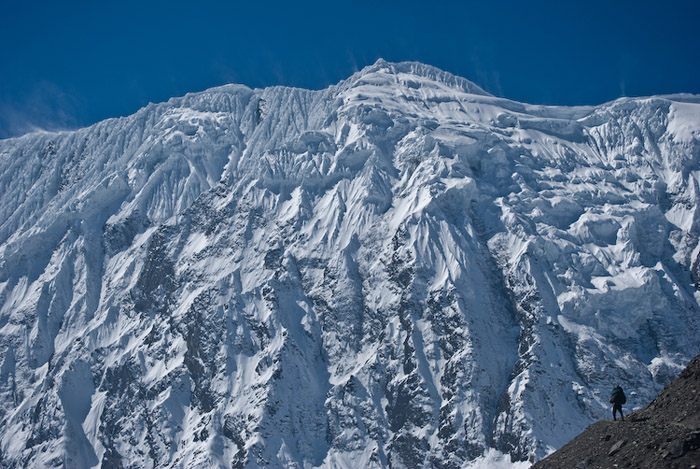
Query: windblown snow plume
[{"x": 400, "y": 270}]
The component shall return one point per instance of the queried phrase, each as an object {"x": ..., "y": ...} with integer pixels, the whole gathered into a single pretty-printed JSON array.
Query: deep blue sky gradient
[{"x": 70, "y": 64}]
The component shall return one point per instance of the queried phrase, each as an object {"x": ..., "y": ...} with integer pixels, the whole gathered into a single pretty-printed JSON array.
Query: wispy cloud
[
  {"x": 488, "y": 79},
  {"x": 622, "y": 87},
  {"x": 46, "y": 107}
]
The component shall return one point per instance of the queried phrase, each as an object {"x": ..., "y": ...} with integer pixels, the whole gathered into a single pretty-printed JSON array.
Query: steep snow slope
[{"x": 398, "y": 270}]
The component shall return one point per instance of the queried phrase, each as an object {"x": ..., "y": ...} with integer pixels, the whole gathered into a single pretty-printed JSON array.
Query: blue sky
[{"x": 70, "y": 64}]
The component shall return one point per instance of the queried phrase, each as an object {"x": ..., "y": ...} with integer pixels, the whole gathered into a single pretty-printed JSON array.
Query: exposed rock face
[
  {"x": 398, "y": 271},
  {"x": 666, "y": 433}
]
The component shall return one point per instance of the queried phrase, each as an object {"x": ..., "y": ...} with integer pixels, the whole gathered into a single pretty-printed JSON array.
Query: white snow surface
[{"x": 400, "y": 270}]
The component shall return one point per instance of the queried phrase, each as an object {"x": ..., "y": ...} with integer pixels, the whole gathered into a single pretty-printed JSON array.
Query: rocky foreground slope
[
  {"x": 398, "y": 271},
  {"x": 666, "y": 433}
]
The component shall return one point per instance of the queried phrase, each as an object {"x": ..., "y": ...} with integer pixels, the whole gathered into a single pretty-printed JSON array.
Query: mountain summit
[
  {"x": 404, "y": 73},
  {"x": 397, "y": 271}
]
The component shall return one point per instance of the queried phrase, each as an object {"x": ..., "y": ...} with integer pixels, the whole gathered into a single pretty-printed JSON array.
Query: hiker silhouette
[{"x": 617, "y": 398}]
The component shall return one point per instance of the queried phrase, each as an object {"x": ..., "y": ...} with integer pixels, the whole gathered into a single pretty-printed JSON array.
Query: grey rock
[
  {"x": 676, "y": 449},
  {"x": 616, "y": 447}
]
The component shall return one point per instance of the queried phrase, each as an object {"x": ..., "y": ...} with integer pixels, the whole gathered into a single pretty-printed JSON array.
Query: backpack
[{"x": 618, "y": 396}]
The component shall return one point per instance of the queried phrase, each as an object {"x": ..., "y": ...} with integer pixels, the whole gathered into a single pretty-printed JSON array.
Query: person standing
[{"x": 617, "y": 398}]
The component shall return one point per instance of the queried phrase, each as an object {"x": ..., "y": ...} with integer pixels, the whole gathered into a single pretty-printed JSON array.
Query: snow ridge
[{"x": 400, "y": 270}]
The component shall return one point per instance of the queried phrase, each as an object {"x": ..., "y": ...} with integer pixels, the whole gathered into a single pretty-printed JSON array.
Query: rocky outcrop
[{"x": 666, "y": 433}]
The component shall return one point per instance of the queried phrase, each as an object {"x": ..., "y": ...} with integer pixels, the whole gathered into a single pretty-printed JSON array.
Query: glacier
[{"x": 400, "y": 270}]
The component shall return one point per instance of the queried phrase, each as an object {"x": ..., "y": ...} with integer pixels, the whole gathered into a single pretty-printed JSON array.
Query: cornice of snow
[{"x": 390, "y": 75}]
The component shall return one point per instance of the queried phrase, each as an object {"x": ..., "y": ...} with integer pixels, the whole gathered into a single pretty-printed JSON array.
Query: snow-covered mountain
[{"x": 397, "y": 271}]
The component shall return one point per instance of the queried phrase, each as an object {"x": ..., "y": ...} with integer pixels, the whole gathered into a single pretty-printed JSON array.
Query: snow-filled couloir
[{"x": 400, "y": 270}]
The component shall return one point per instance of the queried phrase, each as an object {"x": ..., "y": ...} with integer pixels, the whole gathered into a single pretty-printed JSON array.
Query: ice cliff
[{"x": 398, "y": 271}]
